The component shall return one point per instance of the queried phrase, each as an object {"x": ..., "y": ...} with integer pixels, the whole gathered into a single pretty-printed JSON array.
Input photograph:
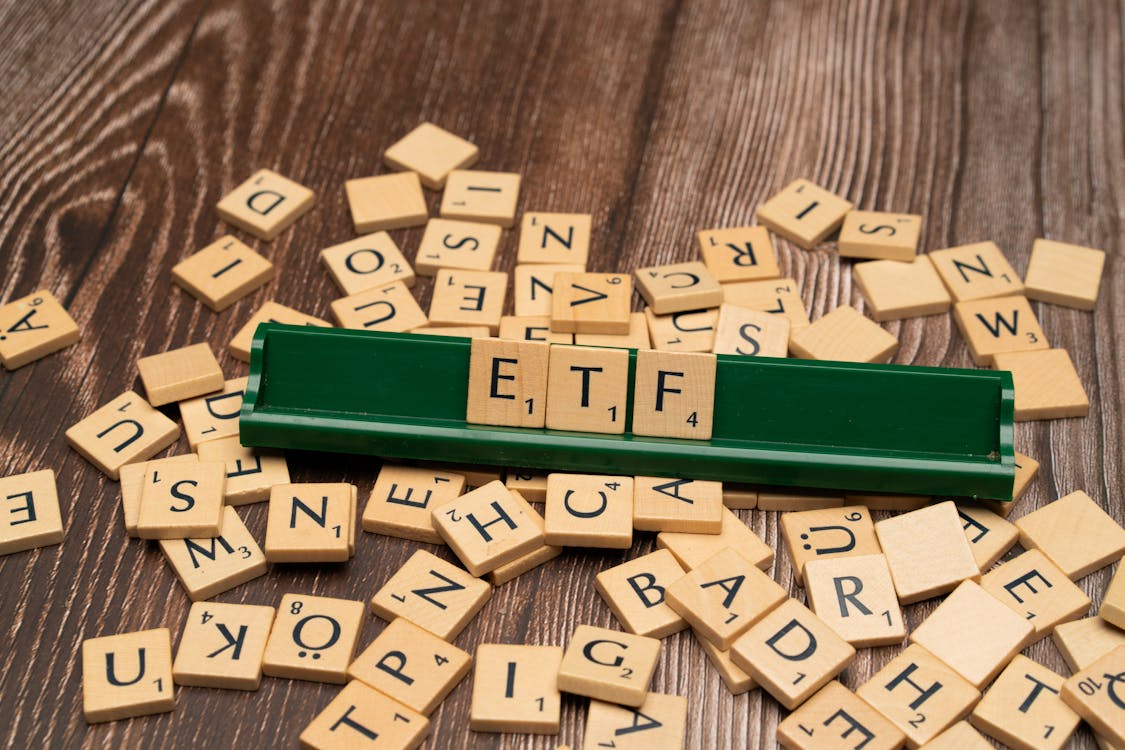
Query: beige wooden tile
[
  {"x": 1023, "y": 709},
  {"x": 927, "y": 551},
  {"x": 739, "y": 496},
  {"x": 1064, "y": 274},
  {"x": 213, "y": 416},
  {"x": 722, "y": 597},
  {"x": 384, "y": 308},
  {"x": 792, "y": 501},
  {"x": 856, "y": 598},
  {"x": 447, "y": 243},
  {"x": 791, "y": 653},
  {"x": 366, "y": 262},
  {"x": 222, "y": 273},
  {"x": 1075, "y": 533},
  {"x": 530, "y": 483},
  {"x": 608, "y": 665},
  {"x": 126, "y": 675},
  {"x": 126, "y": 430},
  {"x": 636, "y": 338},
  {"x": 465, "y": 332},
  {"x": 208, "y": 566},
  {"x": 738, "y": 253},
  {"x": 919, "y": 694},
  {"x": 180, "y": 374},
  {"x": 687, "y": 505},
  {"x": 533, "y": 286},
  {"x": 515, "y": 690},
  {"x": 674, "y": 394},
  {"x": 960, "y": 736},
  {"x": 896, "y": 503},
  {"x": 734, "y": 678},
  {"x": 266, "y": 204},
  {"x": 133, "y": 481},
  {"x": 635, "y": 593},
  {"x": 803, "y": 213},
  {"x": 411, "y": 665},
  {"x": 270, "y": 312},
  {"x": 777, "y": 296},
  {"x": 182, "y": 501},
  {"x": 432, "y": 152},
  {"x": 990, "y": 536},
  {"x": 837, "y": 719},
  {"x": 29, "y": 512},
  {"x": 531, "y": 328},
  {"x": 403, "y": 498},
  {"x": 488, "y": 527},
  {"x": 432, "y": 594},
  {"x": 1113, "y": 602},
  {"x": 587, "y": 510},
  {"x": 468, "y": 298},
  {"x": 33, "y": 327},
  {"x": 1047, "y": 385},
  {"x": 678, "y": 287},
  {"x": 660, "y": 723},
  {"x": 251, "y": 472},
  {"x": 357, "y": 714},
  {"x": 487, "y": 197},
  {"x": 976, "y": 271},
  {"x": 877, "y": 234},
  {"x": 692, "y": 331},
  {"x": 313, "y": 638},
  {"x": 998, "y": 324},
  {"x": 223, "y": 646},
  {"x": 1095, "y": 694},
  {"x": 827, "y": 533},
  {"x": 751, "y": 333},
  {"x": 591, "y": 303},
  {"x": 311, "y": 523},
  {"x": 529, "y": 560},
  {"x": 895, "y": 290},
  {"x": 1026, "y": 469},
  {"x": 387, "y": 201},
  {"x": 690, "y": 550},
  {"x": 1083, "y": 642},
  {"x": 508, "y": 383},
  {"x": 554, "y": 238},
  {"x": 1038, "y": 591},
  {"x": 587, "y": 389},
  {"x": 844, "y": 335}
]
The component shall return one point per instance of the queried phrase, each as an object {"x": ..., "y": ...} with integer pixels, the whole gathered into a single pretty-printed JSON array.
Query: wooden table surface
[{"x": 123, "y": 122}]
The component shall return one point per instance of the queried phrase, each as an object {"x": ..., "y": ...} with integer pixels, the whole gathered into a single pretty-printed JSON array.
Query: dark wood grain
[{"x": 123, "y": 124}]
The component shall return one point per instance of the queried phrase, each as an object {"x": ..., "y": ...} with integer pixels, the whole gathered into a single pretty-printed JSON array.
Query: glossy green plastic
[{"x": 845, "y": 426}]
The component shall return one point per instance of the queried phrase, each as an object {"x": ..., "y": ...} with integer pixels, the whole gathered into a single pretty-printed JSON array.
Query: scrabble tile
[
  {"x": 514, "y": 689},
  {"x": 973, "y": 633},
  {"x": 531, "y": 328},
  {"x": 180, "y": 374},
  {"x": 687, "y": 505},
  {"x": 488, "y": 527},
  {"x": 1064, "y": 274},
  {"x": 791, "y": 653},
  {"x": 919, "y": 694},
  {"x": 1023, "y": 709},
  {"x": 659, "y": 723},
  {"x": 533, "y": 286},
  {"x": 208, "y": 566},
  {"x": 792, "y": 501},
  {"x": 1095, "y": 694},
  {"x": 487, "y": 197},
  {"x": 385, "y": 308},
  {"x": 895, "y": 290},
  {"x": 827, "y": 533},
  {"x": 266, "y": 204},
  {"x": 366, "y": 262},
  {"x": 586, "y": 510},
  {"x": 877, "y": 234},
  {"x": 1026, "y": 469},
  {"x": 468, "y": 298},
  {"x": 1075, "y": 533},
  {"x": 465, "y": 332},
  {"x": 896, "y": 503},
  {"x": 508, "y": 383},
  {"x": 357, "y": 714},
  {"x": 690, "y": 550},
  {"x": 313, "y": 638},
  {"x": 856, "y": 598},
  {"x": 722, "y": 597},
  {"x": 735, "y": 679},
  {"x": 927, "y": 551},
  {"x": 678, "y": 287},
  {"x": 466, "y": 245},
  {"x": 960, "y": 736},
  {"x": 777, "y": 296},
  {"x": 739, "y": 496},
  {"x": 636, "y": 338},
  {"x": 222, "y": 273},
  {"x": 591, "y": 303},
  {"x": 126, "y": 675},
  {"x": 270, "y": 312},
  {"x": 133, "y": 481},
  {"x": 33, "y": 327},
  {"x": 752, "y": 333},
  {"x": 1083, "y": 642},
  {"x": 635, "y": 592},
  {"x": 1036, "y": 589},
  {"x": 976, "y": 271},
  {"x": 1113, "y": 603},
  {"x": 1047, "y": 385},
  {"x": 844, "y": 335},
  {"x": 530, "y": 483},
  {"x": 214, "y": 416},
  {"x": 124, "y": 431},
  {"x": 432, "y": 152},
  {"x": 251, "y": 472},
  {"x": 554, "y": 238},
  {"x": 182, "y": 501},
  {"x": 998, "y": 324},
  {"x": 608, "y": 665},
  {"x": 311, "y": 523},
  {"x": 387, "y": 201},
  {"x": 837, "y": 718},
  {"x": 411, "y": 665},
  {"x": 403, "y": 498},
  {"x": 803, "y": 213},
  {"x": 529, "y": 560},
  {"x": 432, "y": 594},
  {"x": 990, "y": 536},
  {"x": 692, "y": 331},
  {"x": 223, "y": 646},
  {"x": 587, "y": 389},
  {"x": 738, "y": 253},
  {"x": 674, "y": 394},
  {"x": 29, "y": 512}
]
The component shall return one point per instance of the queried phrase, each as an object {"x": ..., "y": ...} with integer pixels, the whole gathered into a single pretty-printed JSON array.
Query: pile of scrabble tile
[{"x": 708, "y": 572}]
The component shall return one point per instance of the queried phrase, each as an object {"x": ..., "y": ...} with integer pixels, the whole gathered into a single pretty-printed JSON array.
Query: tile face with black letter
[
  {"x": 266, "y": 204},
  {"x": 126, "y": 675},
  {"x": 515, "y": 689},
  {"x": 608, "y": 665}
]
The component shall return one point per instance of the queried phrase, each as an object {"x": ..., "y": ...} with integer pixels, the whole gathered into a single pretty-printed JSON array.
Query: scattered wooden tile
[
  {"x": 387, "y": 201},
  {"x": 591, "y": 303},
  {"x": 313, "y": 638},
  {"x": 587, "y": 510},
  {"x": 856, "y": 597},
  {"x": 30, "y": 512},
  {"x": 739, "y": 496},
  {"x": 222, "y": 273},
  {"x": 486, "y": 197},
  {"x": 529, "y": 560},
  {"x": 133, "y": 481},
  {"x": 531, "y": 328},
  {"x": 1075, "y": 533},
  {"x": 960, "y": 736},
  {"x": 311, "y": 522},
  {"x": 692, "y": 331},
  {"x": 678, "y": 287},
  {"x": 690, "y": 550},
  {"x": 384, "y": 308},
  {"x": 554, "y": 238},
  {"x": 877, "y": 234},
  {"x": 927, "y": 551},
  {"x": 674, "y": 394},
  {"x": 1064, "y": 274},
  {"x": 998, "y": 324},
  {"x": 1038, "y": 591},
  {"x": 366, "y": 262},
  {"x": 635, "y": 593},
  {"x": 735, "y": 678},
  {"x": 660, "y": 723},
  {"x": 357, "y": 714},
  {"x": 738, "y": 253},
  {"x": 514, "y": 689},
  {"x": 126, "y": 430},
  {"x": 466, "y": 245},
  {"x": 1083, "y": 642},
  {"x": 33, "y": 327},
  {"x": 208, "y": 566},
  {"x": 530, "y": 483},
  {"x": 844, "y": 335},
  {"x": 403, "y": 499},
  {"x": 976, "y": 271},
  {"x": 214, "y": 416},
  {"x": 270, "y": 312},
  {"x": 687, "y": 505},
  {"x": 636, "y": 338},
  {"x": 1047, "y": 385},
  {"x": 827, "y": 533},
  {"x": 608, "y": 665},
  {"x": 776, "y": 296},
  {"x": 990, "y": 536},
  {"x": 182, "y": 501},
  {"x": 223, "y": 646},
  {"x": 1026, "y": 469},
  {"x": 751, "y": 333},
  {"x": 1096, "y": 696},
  {"x": 488, "y": 527},
  {"x": 432, "y": 152},
  {"x": 1023, "y": 709},
  {"x": 465, "y": 332},
  {"x": 432, "y": 594},
  {"x": 837, "y": 718},
  {"x": 508, "y": 383},
  {"x": 793, "y": 501},
  {"x": 468, "y": 298},
  {"x": 251, "y": 472},
  {"x": 587, "y": 389},
  {"x": 895, "y": 290},
  {"x": 895, "y": 503},
  {"x": 803, "y": 213},
  {"x": 1113, "y": 602},
  {"x": 266, "y": 204},
  {"x": 180, "y": 374},
  {"x": 126, "y": 675}
]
